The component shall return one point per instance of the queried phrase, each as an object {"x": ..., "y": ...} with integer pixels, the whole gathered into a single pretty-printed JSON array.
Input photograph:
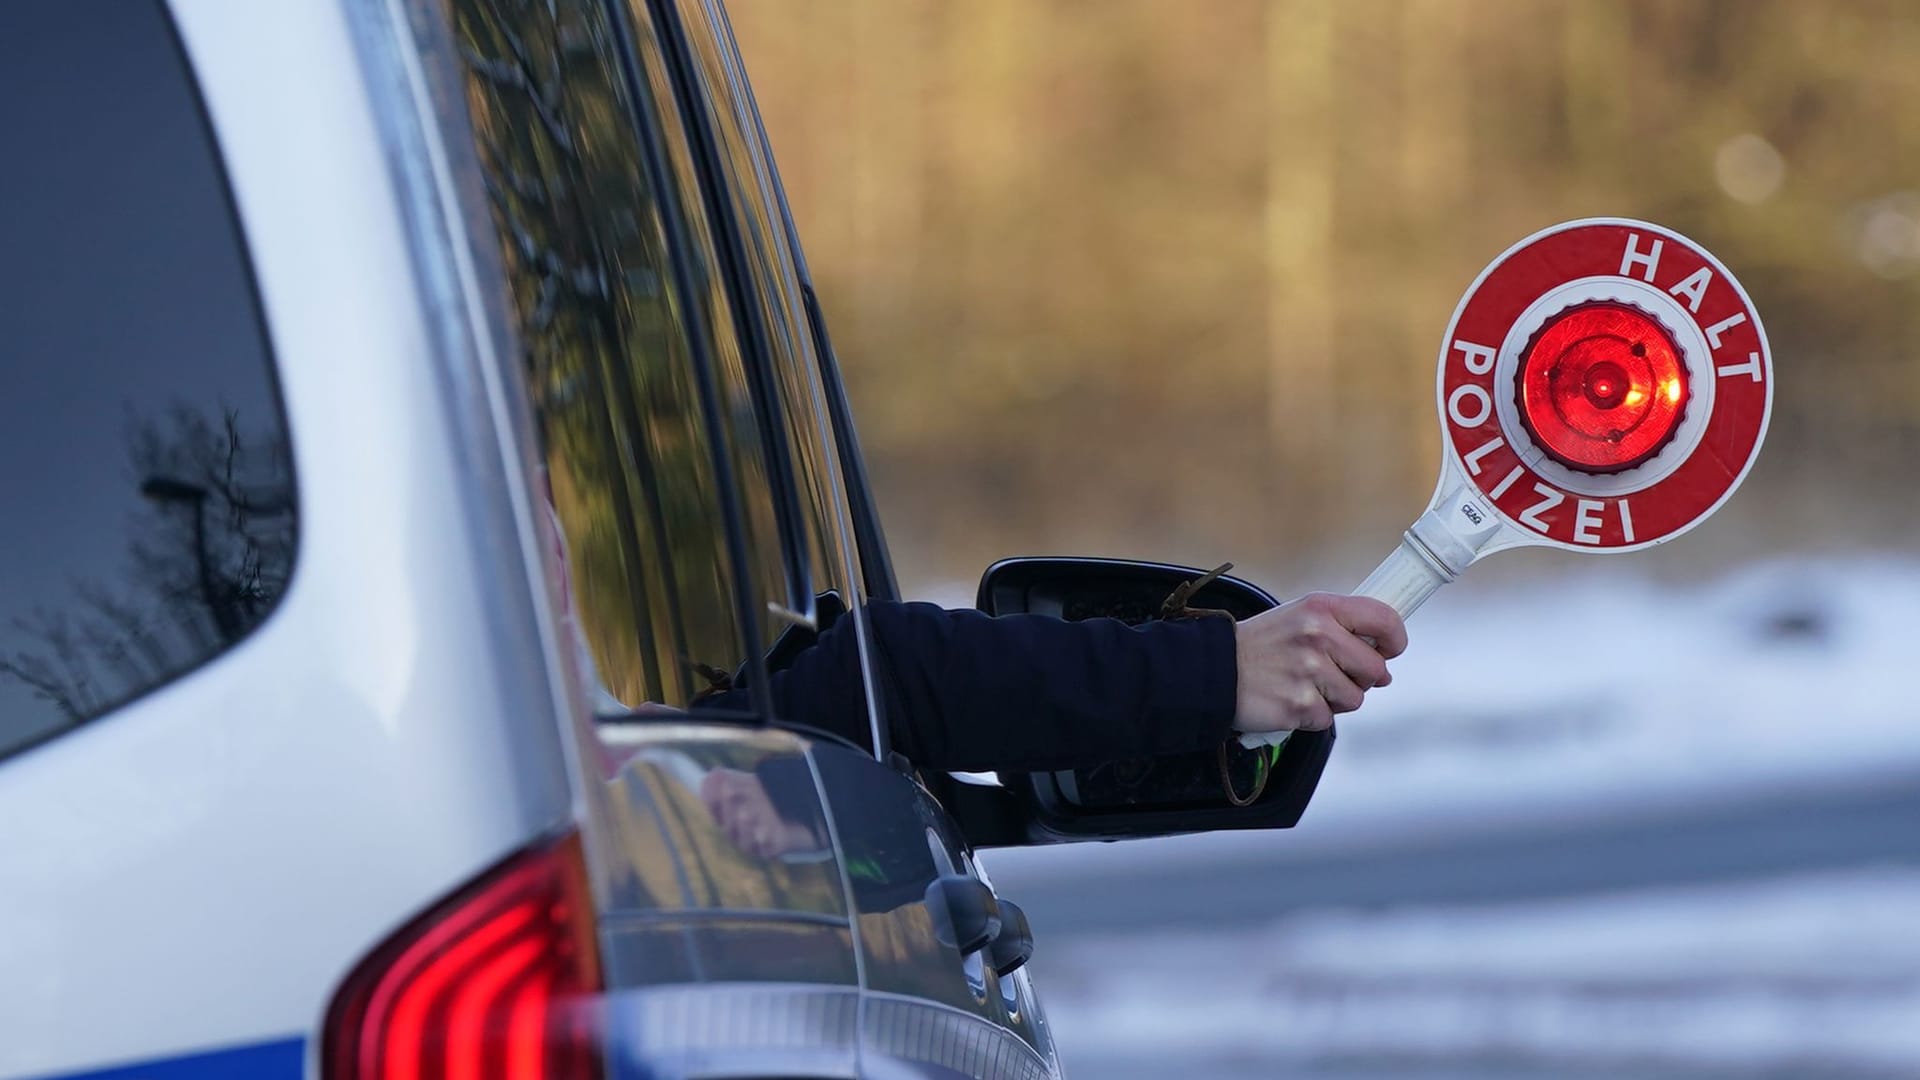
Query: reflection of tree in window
[
  {"x": 147, "y": 516},
  {"x": 209, "y": 553},
  {"x": 611, "y": 383}
]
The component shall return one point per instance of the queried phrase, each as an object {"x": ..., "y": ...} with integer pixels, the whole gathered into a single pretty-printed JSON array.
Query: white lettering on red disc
[
  {"x": 1751, "y": 368},
  {"x": 1479, "y": 357},
  {"x": 1586, "y": 522},
  {"x": 1478, "y": 394},
  {"x": 1488, "y": 447},
  {"x": 1721, "y": 327},
  {"x": 1549, "y": 498},
  {"x": 1694, "y": 288},
  {"x": 1649, "y": 258}
]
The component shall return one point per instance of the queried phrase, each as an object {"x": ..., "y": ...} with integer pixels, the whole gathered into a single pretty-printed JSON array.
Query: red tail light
[
  {"x": 496, "y": 983},
  {"x": 1602, "y": 387}
]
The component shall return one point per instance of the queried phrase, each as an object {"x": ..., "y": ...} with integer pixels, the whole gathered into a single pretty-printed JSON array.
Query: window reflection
[
  {"x": 583, "y": 239},
  {"x": 207, "y": 541},
  {"x": 774, "y": 291},
  {"x": 724, "y": 823},
  {"x": 148, "y": 518}
]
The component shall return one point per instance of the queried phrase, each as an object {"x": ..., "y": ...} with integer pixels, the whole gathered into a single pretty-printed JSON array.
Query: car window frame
[
  {"x": 732, "y": 265},
  {"x": 869, "y": 535},
  {"x": 716, "y": 188},
  {"x": 676, "y": 223},
  {"x": 432, "y": 20},
  {"x": 742, "y": 158}
]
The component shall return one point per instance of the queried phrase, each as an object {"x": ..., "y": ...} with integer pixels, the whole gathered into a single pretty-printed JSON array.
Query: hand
[
  {"x": 739, "y": 804},
  {"x": 1311, "y": 658}
]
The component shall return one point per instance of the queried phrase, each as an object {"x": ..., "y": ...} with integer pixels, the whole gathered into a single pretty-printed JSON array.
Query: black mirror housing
[
  {"x": 1131, "y": 591},
  {"x": 1012, "y": 947},
  {"x": 1146, "y": 797},
  {"x": 965, "y": 913}
]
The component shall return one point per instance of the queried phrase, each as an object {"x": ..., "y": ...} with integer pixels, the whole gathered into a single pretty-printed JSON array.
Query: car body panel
[
  {"x": 185, "y": 882},
  {"x": 349, "y": 761}
]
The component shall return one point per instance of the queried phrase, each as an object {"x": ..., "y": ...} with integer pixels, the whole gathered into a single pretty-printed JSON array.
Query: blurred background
[{"x": 1164, "y": 279}]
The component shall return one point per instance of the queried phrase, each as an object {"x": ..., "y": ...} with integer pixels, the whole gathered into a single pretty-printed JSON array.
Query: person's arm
[
  {"x": 965, "y": 690},
  {"x": 1031, "y": 692},
  {"x": 971, "y": 692}
]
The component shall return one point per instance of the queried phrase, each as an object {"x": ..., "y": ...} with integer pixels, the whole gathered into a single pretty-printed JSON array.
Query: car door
[
  {"x": 668, "y": 514},
  {"x": 702, "y": 541},
  {"x": 897, "y": 841}
]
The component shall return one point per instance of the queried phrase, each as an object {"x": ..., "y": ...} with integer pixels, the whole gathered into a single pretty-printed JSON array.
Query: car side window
[
  {"x": 148, "y": 519},
  {"x": 585, "y": 238},
  {"x": 775, "y": 309}
]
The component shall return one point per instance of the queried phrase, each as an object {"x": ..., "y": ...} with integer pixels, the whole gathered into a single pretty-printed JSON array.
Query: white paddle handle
[{"x": 1405, "y": 580}]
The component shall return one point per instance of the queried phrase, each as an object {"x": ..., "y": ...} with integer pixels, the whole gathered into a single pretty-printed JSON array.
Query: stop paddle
[{"x": 1604, "y": 386}]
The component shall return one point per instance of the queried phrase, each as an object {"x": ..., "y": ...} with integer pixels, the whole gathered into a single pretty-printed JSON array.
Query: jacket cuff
[{"x": 1199, "y": 708}]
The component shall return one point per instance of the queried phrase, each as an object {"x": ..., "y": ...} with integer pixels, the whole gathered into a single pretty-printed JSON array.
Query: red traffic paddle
[{"x": 1604, "y": 386}]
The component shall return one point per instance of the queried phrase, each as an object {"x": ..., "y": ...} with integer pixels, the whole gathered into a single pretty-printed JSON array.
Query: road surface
[{"x": 1179, "y": 942}]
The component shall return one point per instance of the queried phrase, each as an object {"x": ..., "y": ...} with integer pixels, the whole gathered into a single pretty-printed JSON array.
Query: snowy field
[
  {"x": 1543, "y": 710},
  {"x": 1816, "y": 976},
  {"x": 1552, "y": 701}
]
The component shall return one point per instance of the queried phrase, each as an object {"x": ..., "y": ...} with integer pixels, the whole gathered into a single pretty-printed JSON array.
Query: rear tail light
[{"x": 496, "y": 983}]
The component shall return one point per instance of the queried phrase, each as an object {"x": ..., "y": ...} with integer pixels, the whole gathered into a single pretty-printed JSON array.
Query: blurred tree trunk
[{"x": 1302, "y": 421}]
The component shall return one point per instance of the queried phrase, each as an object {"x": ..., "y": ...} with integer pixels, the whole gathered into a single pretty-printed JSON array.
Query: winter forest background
[{"x": 1167, "y": 279}]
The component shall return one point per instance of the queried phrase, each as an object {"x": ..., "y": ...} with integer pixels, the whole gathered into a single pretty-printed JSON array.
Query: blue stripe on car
[{"x": 283, "y": 1059}]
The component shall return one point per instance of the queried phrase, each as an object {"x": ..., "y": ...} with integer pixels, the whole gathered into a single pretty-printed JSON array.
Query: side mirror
[
  {"x": 1138, "y": 797},
  {"x": 966, "y": 915},
  {"x": 1012, "y": 947}
]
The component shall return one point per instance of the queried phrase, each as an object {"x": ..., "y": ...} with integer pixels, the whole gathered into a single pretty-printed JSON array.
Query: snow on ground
[
  {"x": 1608, "y": 691},
  {"x": 1815, "y": 975},
  {"x": 1780, "y": 673}
]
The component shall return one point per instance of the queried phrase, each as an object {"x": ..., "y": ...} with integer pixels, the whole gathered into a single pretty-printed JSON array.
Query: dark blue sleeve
[{"x": 968, "y": 691}]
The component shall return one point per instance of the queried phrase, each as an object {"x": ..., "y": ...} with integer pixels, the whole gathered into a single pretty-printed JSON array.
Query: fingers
[
  {"x": 1313, "y": 715},
  {"x": 1338, "y": 691},
  {"x": 1369, "y": 618},
  {"x": 1357, "y": 660},
  {"x": 1356, "y": 634}
]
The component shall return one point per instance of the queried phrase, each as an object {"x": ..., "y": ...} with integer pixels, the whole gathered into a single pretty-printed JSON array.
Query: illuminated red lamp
[
  {"x": 496, "y": 983},
  {"x": 1602, "y": 387}
]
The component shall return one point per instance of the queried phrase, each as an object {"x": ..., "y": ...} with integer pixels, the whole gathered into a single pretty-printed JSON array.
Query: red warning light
[{"x": 1602, "y": 387}]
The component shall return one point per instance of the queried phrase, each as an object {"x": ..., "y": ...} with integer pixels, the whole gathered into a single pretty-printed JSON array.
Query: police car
[{"x": 412, "y": 408}]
